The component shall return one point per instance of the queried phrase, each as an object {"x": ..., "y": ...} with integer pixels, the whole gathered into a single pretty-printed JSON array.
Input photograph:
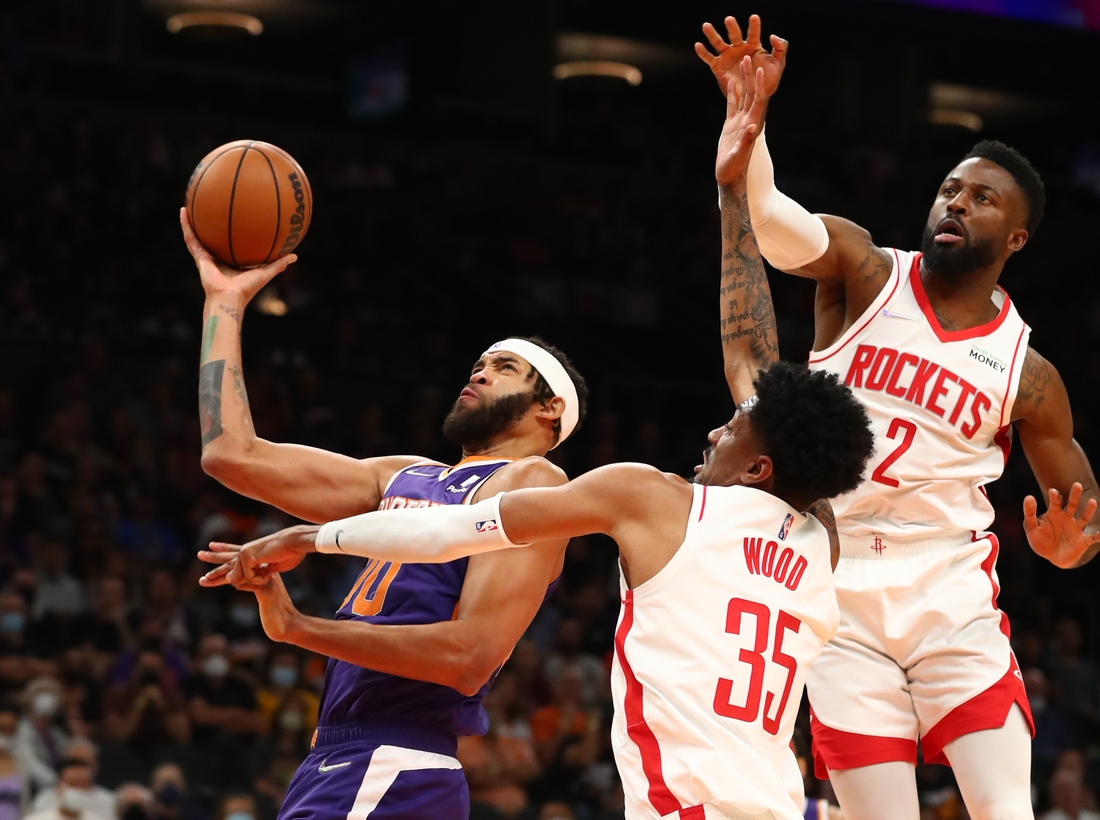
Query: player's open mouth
[
  {"x": 467, "y": 393},
  {"x": 949, "y": 232}
]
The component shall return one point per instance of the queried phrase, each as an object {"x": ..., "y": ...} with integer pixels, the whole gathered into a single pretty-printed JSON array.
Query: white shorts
[{"x": 922, "y": 652}]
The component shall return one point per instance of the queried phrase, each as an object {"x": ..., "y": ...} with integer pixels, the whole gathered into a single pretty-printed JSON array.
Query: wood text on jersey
[{"x": 920, "y": 382}]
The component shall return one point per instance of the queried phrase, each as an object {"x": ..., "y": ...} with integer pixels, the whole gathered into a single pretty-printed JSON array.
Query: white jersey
[
  {"x": 711, "y": 655},
  {"x": 940, "y": 404}
]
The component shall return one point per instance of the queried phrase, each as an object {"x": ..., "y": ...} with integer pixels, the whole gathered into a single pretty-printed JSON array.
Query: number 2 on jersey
[
  {"x": 896, "y": 425},
  {"x": 750, "y": 710}
]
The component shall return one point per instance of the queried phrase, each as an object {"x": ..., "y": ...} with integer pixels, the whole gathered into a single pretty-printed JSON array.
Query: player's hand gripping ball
[{"x": 249, "y": 203}]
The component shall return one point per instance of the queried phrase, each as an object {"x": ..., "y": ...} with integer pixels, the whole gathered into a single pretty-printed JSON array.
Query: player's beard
[
  {"x": 955, "y": 261},
  {"x": 475, "y": 426}
]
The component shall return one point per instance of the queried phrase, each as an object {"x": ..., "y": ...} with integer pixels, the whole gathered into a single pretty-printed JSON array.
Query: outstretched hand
[
  {"x": 745, "y": 103},
  {"x": 725, "y": 62},
  {"x": 219, "y": 278},
  {"x": 1059, "y": 534},
  {"x": 251, "y": 566}
]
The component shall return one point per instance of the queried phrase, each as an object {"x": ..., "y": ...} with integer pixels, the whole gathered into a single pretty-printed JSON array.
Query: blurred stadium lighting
[
  {"x": 946, "y": 116},
  {"x": 214, "y": 19},
  {"x": 598, "y": 68}
]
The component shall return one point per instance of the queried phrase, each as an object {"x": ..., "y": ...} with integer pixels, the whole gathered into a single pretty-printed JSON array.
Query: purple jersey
[{"x": 390, "y": 593}]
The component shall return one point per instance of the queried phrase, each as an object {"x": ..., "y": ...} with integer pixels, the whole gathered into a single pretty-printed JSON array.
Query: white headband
[{"x": 556, "y": 376}]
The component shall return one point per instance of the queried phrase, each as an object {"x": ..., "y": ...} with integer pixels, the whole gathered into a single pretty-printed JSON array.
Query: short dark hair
[
  {"x": 1022, "y": 171},
  {"x": 814, "y": 429},
  {"x": 543, "y": 393}
]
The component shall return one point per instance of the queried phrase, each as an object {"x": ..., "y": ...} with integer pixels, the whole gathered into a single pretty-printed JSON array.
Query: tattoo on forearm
[
  {"x": 210, "y": 400},
  {"x": 1035, "y": 378},
  {"x": 208, "y": 338},
  {"x": 238, "y": 383},
  {"x": 232, "y": 312},
  {"x": 822, "y": 510},
  {"x": 747, "y": 310}
]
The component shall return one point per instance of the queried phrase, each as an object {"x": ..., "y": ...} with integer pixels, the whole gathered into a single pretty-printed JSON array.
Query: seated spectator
[
  {"x": 237, "y": 806},
  {"x": 19, "y": 654},
  {"x": 1068, "y": 798},
  {"x": 58, "y": 592},
  {"x": 134, "y": 802},
  {"x": 1051, "y": 734},
  {"x": 163, "y": 608},
  {"x": 100, "y": 801},
  {"x": 1075, "y": 675},
  {"x": 498, "y": 766},
  {"x": 13, "y": 783},
  {"x": 283, "y": 699},
  {"x": 74, "y": 794},
  {"x": 591, "y": 673},
  {"x": 556, "y": 810},
  {"x": 40, "y": 740},
  {"x": 172, "y": 799},
  {"x": 147, "y": 537},
  {"x": 566, "y": 736},
  {"x": 105, "y": 628},
  {"x": 148, "y": 710}
]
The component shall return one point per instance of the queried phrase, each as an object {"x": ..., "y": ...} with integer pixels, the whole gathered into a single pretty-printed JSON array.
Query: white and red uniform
[
  {"x": 922, "y": 650},
  {"x": 711, "y": 655}
]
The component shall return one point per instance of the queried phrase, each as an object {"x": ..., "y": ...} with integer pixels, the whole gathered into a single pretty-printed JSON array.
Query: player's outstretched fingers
[
  {"x": 779, "y": 48},
  {"x": 1031, "y": 510},
  {"x": 1074, "y": 498},
  {"x": 217, "y": 577},
  {"x": 1086, "y": 515},
  {"x": 714, "y": 38},
  {"x": 198, "y": 252},
  {"x": 1054, "y": 500},
  {"x": 705, "y": 55},
  {"x": 754, "y": 30},
  {"x": 734, "y": 31}
]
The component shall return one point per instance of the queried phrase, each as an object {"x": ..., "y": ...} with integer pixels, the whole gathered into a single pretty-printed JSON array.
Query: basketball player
[
  {"x": 413, "y": 648},
  {"x": 939, "y": 356},
  {"x": 727, "y": 568}
]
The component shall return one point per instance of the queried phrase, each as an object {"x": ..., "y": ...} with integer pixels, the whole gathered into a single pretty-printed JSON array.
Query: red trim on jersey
[
  {"x": 693, "y": 813},
  {"x": 703, "y": 503},
  {"x": 1003, "y": 439},
  {"x": 835, "y": 750},
  {"x": 930, "y": 315},
  {"x": 1011, "y": 369},
  {"x": 852, "y": 334},
  {"x": 636, "y": 727},
  {"x": 989, "y": 709}
]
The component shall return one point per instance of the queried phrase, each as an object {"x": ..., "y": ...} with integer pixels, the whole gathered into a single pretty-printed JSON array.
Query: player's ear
[
  {"x": 759, "y": 473},
  {"x": 551, "y": 409},
  {"x": 1017, "y": 239}
]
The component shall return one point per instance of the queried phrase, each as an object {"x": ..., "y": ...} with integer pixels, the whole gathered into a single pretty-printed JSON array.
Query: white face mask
[
  {"x": 45, "y": 704},
  {"x": 216, "y": 666},
  {"x": 74, "y": 801}
]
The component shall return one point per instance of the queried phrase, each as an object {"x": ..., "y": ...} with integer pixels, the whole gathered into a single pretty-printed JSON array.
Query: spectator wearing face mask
[
  {"x": 134, "y": 802},
  {"x": 75, "y": 800},
  {"x": 237, "y": 807},
  {"x": 39, "y": 739},
  {"x": 19, "y": 656},
  {"x": 172, "y": 800},
  {"x": 283, "y": 702},
  {"x": 101, "y": 801},
  {"x": 223, "y": 709}
]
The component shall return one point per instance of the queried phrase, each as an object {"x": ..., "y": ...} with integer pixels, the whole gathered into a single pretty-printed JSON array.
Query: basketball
[{"x": 249, "y": 202}]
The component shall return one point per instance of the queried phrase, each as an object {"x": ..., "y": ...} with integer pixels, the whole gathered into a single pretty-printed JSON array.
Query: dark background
[{"x": 492, "y": 200}]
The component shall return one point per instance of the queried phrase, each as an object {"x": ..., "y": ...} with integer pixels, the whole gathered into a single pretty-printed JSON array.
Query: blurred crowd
[{"x": 127, "y": 692}]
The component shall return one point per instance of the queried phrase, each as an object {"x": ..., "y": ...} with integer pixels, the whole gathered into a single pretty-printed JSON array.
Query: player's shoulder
[{"x": 532, "y": 471}]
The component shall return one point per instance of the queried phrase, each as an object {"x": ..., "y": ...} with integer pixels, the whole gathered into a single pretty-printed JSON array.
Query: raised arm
[
  {"x": 1066, "y": 533},
  {"x": 749, "y": 341},
  {"x": 306, "y": 482}
]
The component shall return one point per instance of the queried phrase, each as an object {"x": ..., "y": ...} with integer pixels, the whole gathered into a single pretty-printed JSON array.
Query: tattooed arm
[
  {"x": 1064, "y": 534},
  {"x": 822, "y": 510},
  {"x": 306, "y": 482}
]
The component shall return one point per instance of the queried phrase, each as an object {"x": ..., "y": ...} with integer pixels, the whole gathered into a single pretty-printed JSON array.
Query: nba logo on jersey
[
  {"x": 487, "y": 526},
  {"x": 786, "y": 528}
]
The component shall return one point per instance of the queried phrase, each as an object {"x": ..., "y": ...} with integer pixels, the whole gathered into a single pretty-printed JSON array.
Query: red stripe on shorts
[
  {"x": 835, "y": 750},
  {"x": 989, "y": 709},
  {"x": 636, "y": 727}
]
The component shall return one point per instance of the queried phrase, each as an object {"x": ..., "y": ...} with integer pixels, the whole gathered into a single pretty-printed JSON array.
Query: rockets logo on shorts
[
  {"x": 786, "y": 528},
  {"x": 487, "y": 526}
]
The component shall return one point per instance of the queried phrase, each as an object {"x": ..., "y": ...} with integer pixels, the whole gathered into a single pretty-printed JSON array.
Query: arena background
[{"x": 461, "y": 194}]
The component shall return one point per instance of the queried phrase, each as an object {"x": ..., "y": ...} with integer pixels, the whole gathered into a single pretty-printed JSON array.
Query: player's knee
[{"x": 1018, "y": 810}]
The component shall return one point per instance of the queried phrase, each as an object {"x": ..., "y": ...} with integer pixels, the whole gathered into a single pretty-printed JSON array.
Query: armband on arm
[
  {"x": 426, "y": 535},
  {"x": 789, "y": 236}
]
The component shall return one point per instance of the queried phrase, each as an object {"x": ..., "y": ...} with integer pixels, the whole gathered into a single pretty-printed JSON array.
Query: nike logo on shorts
[{"x": 323, "y": 768}]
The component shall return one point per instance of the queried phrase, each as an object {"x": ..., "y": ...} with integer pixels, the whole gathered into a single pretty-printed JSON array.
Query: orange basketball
[{"x": 249, "y": 203}]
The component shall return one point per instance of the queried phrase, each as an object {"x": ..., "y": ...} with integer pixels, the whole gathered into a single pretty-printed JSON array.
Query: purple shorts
[{"x": 382, "y": 770}]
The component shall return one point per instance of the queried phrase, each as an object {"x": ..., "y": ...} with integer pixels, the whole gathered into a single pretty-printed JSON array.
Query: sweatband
[
  {"x": 556, "y": 376},
  {"x": 422, "y": 535},
  {"x": 788, "y": 235}
]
